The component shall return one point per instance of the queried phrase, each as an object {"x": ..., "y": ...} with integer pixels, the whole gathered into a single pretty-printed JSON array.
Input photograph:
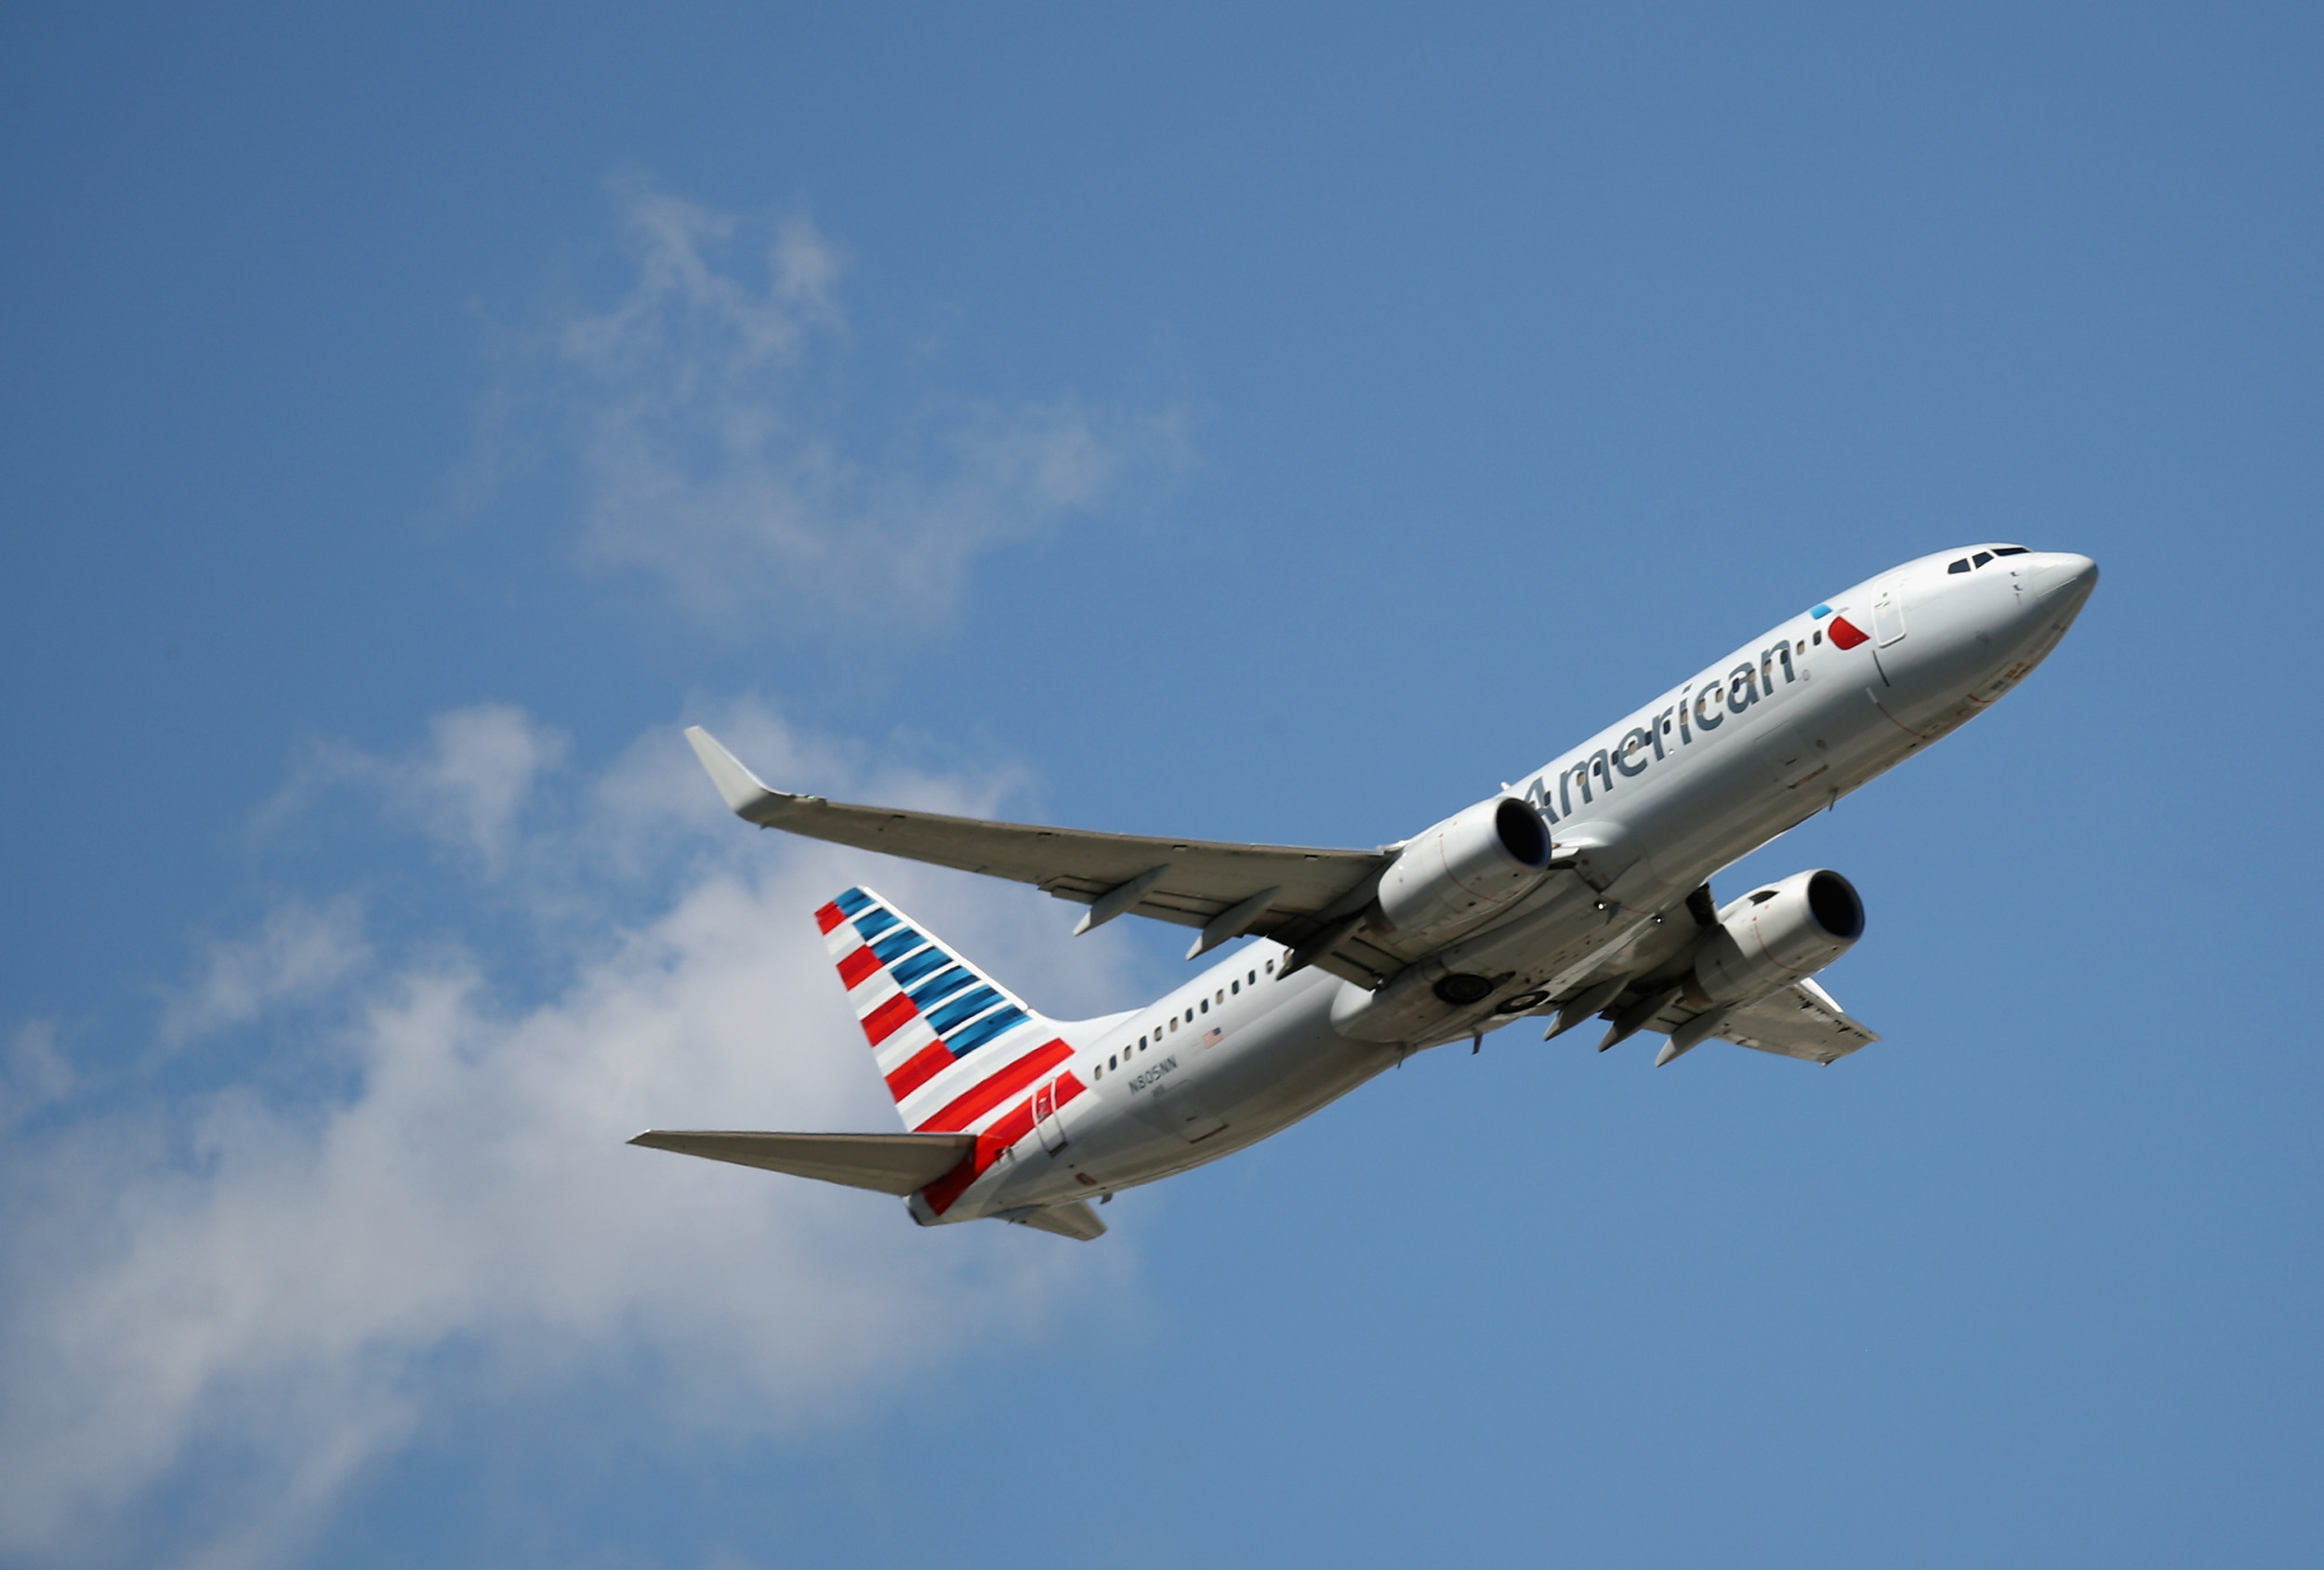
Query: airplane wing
[
  {"x": 1801, "y": 1020},
  {"x": 889, "y": 1163},
  {"x": 1302, "y": 897}
]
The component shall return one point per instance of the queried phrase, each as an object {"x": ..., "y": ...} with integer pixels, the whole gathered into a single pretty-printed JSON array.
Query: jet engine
[
  {"x": 1470, "y": 865},
  {"x": 1773, "y": 936}
]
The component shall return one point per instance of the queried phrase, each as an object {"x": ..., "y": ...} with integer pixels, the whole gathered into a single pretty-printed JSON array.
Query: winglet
[{"x": 744, "y": 792}]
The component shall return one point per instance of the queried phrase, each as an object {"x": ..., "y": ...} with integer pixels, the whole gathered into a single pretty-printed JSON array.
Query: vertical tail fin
[{"x": 953, "y": 1044}]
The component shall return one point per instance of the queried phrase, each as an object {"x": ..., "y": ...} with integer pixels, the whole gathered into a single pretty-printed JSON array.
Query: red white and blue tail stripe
[{"x": 960, "y": 1052}]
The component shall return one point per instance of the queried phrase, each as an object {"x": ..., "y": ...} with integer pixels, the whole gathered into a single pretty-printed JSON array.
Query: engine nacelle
[
  {"x": 1467, "y": 866},
  {"x": 1773, "y": 936}
]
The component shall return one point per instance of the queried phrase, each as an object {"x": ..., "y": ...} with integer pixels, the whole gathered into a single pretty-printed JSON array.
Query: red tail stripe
[
  {"x": 1010, "y": 1128},
  {"x": 856, "y": 966},
  {"x": 884, "y": 1021},
  {"x": 1006, "y": 1130},
  {"x": 829, "y": 917},
  {"x": 991, "y": 1091},
  {"x": 919, "y": 1069}
]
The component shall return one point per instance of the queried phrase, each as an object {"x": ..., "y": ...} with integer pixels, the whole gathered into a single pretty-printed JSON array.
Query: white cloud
[
  {"x": 227, "y": 1288},
  {"x": 34, "y": 1074},
  {"x": 466, "y": 790},
  {"x": 714, "y": 455},
  {"x": 298, "y": 953}
]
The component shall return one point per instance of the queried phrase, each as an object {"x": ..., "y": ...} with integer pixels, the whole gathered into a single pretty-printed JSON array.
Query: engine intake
[
  {"x": 1773, "y": 936},
  {"x": 1472, "y": 864}
]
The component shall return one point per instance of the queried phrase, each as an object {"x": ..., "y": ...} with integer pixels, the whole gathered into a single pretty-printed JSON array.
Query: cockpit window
[
  {"x": 2010, "y": 551},
  {"x": 1960, "y": 566},
  {"x": 1984, "y": 557}
]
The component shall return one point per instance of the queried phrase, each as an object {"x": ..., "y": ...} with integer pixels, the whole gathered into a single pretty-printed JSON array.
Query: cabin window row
[{"x": 1115, "y": 1059}]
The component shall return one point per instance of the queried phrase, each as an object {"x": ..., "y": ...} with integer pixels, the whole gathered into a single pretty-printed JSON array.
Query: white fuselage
[{"x": 1654, "y": 804}]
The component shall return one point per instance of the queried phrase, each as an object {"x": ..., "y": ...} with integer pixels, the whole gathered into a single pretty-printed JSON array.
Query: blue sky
[{"x": 1280, "y": 424}]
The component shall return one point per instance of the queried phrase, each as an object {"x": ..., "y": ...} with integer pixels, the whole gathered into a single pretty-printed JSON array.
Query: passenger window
[
  {"x": 1254, "y": 978},
  {"x": 1223, "y": 995},
  {"x": 1270, "y": 967},
  {"x": 1234, "y": 987},
  {"x": 1113, "y": 1062},
  {"x": 1819, "y": 635},
  {"x": 1173, "y": 1022},
  {"x": 1206, "y": 1005},
  {"x": 1984, "y": 557},
  {"x": 1960, "y": 566}
]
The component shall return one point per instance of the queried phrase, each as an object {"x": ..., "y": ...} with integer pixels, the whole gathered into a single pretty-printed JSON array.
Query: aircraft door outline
[
  {"x": 1046, "y": 1122},
  {"x": 1888, "y": 619}
]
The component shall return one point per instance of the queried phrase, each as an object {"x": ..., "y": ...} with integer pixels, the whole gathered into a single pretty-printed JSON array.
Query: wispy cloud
[
  {"x": 465, "y": 790},
  {"x": 299, "y": 952},
  {"x": 242, "y": 1293},
  {"x": 248, "y": 1292},
  {"x": 699, "y": 415},
  {"x": 33, "y": 1074}
]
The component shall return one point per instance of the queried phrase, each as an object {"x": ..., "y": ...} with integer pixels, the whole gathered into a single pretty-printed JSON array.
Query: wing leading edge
[{"x": 1288, "y": 892}]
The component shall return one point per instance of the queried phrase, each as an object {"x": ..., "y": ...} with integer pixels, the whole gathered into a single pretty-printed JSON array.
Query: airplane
[{"x": 1583, "y": 891}]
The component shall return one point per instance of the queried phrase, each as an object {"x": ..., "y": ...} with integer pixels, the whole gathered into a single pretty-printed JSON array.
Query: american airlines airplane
[{"x": 1583, "y": 891}]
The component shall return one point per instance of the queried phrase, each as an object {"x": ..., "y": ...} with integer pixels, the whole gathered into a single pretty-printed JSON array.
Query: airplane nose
[{"x": 2062, "y": 582}]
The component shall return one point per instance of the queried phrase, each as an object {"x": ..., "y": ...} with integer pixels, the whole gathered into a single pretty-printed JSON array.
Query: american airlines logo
[{"x": 1700, "y": 710}]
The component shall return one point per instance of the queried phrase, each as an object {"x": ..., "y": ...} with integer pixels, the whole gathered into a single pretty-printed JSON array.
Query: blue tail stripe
[
  {"x": 896, "y": 944},
  {"x": 870, "y": 926},
  {"x": 992, "y": 1025},
  {"x": 944, "y": 986},
  {"x": 851, "y": 901},
  {"x": 906, "y": 972},
  {"x": 963, "y": 1007}
]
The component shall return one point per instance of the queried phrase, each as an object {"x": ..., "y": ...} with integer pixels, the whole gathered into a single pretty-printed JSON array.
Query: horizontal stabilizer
[
  {"x": 889, "y": 1162},
  {"x": 1074, "y": 1219}
]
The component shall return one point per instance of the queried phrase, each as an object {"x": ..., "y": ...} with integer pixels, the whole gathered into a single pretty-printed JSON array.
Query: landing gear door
[{"x": 1045, "y": 1119}]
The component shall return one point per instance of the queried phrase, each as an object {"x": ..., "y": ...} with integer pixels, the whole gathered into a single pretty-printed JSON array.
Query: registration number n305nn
[{"x": 1146, "y": 1076}]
